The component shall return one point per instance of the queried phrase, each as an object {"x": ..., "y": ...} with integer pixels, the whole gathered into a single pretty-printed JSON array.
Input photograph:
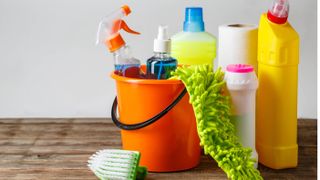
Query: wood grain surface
[{"x": 59, "y": 149}]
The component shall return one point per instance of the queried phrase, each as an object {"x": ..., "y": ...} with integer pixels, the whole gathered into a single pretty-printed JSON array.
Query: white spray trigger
[
  {"x": 162, "y": 42},
  {"x": 163, "y": 33},
  {"x": 101, "y": 34},
  {"x": 108, "y": 26}
]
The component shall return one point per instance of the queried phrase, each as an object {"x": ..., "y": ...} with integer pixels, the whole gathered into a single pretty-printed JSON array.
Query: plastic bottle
[
  {"x": 242, "y": 84},
  {"x": 108, "y": 33},
  {"x": 278, "y": 59},
  {"x": 194, "y": 45},
  {"x": 161, "y": 64}
]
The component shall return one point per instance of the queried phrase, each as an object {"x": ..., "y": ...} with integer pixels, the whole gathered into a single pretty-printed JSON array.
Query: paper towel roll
[{"x": 238, "y": 45}]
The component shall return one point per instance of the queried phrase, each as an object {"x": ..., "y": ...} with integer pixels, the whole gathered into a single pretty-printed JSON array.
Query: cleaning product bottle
[
  {"x": 194, "y": 45},
  {"x": 242, "y": 84},
  {"x": 278, "y": 59},
  {"x": 108, "y": 33},
  {"x": 161, "y": 64}
]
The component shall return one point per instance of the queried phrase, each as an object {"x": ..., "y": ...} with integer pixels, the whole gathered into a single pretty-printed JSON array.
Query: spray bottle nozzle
[
  {"x": 115, "y": 41},
  {"x": 109, "y": 27},
  {"x": 126, "y": 9},
  {"x": 162, "y": 43}
]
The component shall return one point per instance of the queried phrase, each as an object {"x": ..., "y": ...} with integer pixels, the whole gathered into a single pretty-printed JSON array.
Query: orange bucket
[{"x": 169, "y": 143}]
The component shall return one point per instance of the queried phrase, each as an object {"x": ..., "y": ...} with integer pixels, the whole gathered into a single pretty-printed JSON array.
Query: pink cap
[{"x": 239, "y": 68}]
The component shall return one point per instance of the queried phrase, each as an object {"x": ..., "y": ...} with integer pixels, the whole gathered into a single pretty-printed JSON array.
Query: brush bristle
[{"x": 114, "y": 164}]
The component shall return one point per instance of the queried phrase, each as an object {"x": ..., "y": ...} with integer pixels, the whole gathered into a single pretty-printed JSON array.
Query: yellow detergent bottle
[
  {"x": 193, "y": 45},
  {"x": 278, "y": 59}
]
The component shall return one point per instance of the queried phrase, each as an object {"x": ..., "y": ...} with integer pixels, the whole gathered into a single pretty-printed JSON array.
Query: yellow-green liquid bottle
[{"x": 193, "y": 45}]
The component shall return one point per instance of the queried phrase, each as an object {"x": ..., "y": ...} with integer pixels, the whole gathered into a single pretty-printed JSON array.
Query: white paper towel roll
[{"x": 238, "y": 45}]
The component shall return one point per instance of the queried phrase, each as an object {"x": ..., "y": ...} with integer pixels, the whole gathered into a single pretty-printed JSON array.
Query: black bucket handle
[{"x": 147, "y": 122}]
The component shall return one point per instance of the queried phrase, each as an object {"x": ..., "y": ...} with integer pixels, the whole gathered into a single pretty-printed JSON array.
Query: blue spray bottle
[{"x": 161, "y": 64}]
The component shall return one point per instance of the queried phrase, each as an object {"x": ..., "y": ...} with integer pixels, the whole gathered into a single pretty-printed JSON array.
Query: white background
[{"x": 50, "y": 66}]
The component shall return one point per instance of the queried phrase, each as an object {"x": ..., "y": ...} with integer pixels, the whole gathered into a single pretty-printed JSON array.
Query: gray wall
[{"x": 50, "y": 66}]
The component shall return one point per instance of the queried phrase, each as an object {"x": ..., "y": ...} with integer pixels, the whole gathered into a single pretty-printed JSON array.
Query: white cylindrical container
[
  {"x": 242, "y": 84},
  {"x": 237, "y": 45}
]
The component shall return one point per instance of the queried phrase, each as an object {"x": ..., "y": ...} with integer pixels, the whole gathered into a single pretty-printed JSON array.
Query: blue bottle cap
[{"x": 193, "y": 21}]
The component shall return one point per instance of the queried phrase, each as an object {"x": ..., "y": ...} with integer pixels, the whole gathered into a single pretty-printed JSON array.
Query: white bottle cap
[{"x": 162, "y": 43}]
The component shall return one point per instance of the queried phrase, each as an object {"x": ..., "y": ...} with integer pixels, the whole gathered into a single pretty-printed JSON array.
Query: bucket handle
[{"x": 147, "y": 122}]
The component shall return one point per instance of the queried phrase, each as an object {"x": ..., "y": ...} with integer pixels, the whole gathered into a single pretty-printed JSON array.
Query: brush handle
[{"x": 141, "y": 173}]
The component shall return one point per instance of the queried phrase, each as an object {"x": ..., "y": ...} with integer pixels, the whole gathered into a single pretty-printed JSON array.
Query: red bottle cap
[{"x": 279, "y": 12}]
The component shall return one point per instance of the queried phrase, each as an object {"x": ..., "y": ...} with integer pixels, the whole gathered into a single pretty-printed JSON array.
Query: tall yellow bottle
[{"x": 278, "y": 59}]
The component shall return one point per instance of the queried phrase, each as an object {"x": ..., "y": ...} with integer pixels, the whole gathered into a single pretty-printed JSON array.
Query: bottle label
[{"x": 160, "y": 69}]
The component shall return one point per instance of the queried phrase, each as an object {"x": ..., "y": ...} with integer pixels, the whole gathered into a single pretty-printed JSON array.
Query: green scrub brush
[
  {"x": 216, "y": 132},
  {"x": 117, "y": 165}
]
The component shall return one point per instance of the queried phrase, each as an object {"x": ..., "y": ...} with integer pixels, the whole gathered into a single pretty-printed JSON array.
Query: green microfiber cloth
[{"x": 216, "y": 132}]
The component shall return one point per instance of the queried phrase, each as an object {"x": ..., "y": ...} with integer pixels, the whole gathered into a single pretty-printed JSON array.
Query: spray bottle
[
  {"x": 161, "y": 64},
  {"x": 108, "y": 33},
  {"x": 278, "y": 59}
]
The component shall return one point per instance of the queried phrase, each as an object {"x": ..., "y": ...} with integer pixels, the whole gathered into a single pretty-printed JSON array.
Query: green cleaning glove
[{"x": 216, "y": 132}]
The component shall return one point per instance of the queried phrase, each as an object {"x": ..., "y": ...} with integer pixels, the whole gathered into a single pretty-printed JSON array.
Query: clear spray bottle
[{"x": 108, "y": 33}]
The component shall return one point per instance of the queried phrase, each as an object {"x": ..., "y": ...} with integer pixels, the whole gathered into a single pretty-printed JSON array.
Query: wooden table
[{"x": 59, "y": 149}]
